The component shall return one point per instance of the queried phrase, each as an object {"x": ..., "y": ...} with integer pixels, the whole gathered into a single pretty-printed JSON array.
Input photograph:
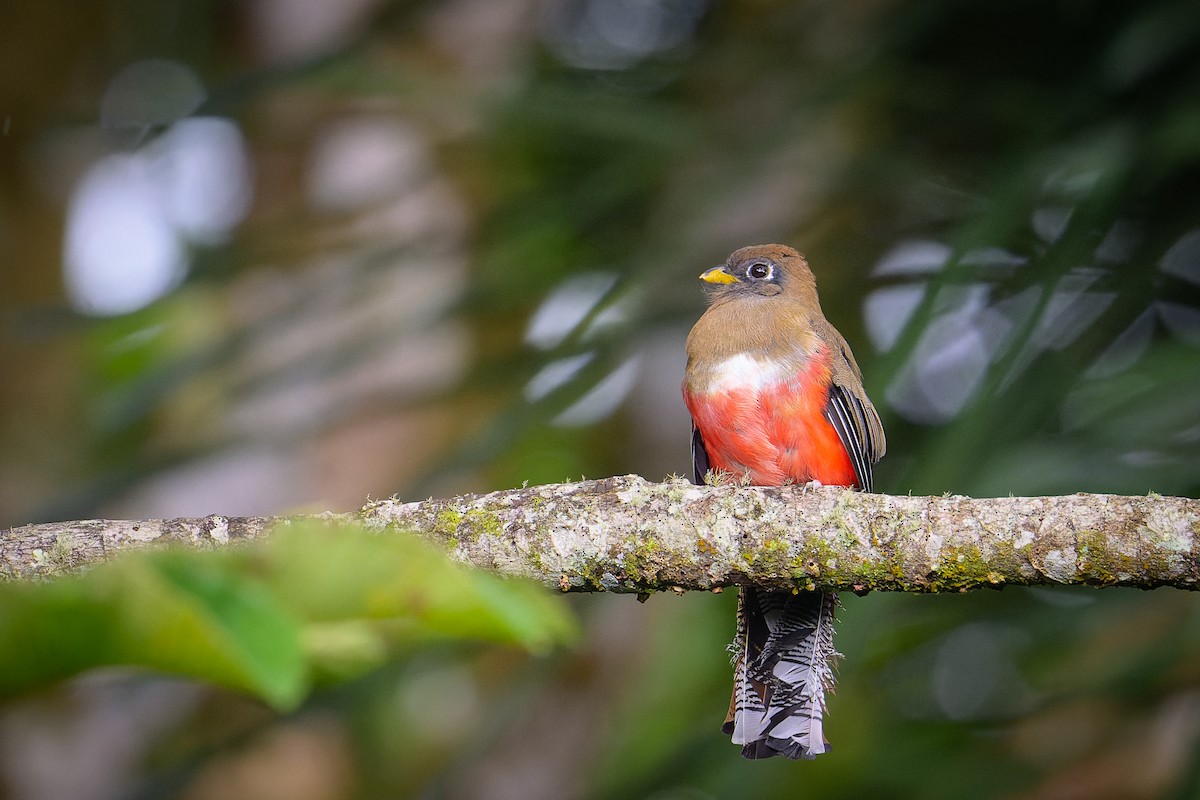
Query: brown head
[
  {"x": 762, "y": 299},
  {"x": 763, "y": 270}
]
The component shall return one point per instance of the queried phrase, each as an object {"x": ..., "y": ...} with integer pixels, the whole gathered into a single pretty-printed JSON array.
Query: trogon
[{"x": 777, "y": 398}]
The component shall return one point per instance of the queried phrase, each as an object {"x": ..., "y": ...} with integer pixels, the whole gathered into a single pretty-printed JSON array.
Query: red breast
[{"x": 770, "y": 430}]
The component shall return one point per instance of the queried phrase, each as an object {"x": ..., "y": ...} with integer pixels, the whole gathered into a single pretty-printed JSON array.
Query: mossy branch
[{"x": 626, "y": 534}]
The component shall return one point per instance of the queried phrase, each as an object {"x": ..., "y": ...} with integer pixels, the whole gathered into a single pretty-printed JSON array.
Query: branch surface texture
[{"x": 626, "y": 534}]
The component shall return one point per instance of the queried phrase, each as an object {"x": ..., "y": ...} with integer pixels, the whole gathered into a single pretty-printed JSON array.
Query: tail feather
[{"x": 783, "y": 666}]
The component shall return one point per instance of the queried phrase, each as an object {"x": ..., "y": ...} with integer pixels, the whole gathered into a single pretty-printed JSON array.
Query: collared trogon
[{"x": 776, "y": 398}]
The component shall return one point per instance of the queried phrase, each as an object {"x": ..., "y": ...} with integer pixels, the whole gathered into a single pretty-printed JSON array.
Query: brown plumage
[{"x": 776, "y": 397}]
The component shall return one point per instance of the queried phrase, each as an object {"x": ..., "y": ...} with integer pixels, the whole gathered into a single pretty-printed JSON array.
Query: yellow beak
[{"x": 717, "y": 275}]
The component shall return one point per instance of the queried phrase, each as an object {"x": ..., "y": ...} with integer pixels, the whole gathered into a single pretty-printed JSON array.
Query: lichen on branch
[{"x": 626, "y": 534}]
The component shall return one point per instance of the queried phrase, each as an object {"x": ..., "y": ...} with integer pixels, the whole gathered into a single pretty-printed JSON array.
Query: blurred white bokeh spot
[
  {"x": 602, "y": 399},
  {"x": 1125, "y": 350},
  {"x": 887, "y": 311},
  {"x": 1183, "y": 259},
  {"x": 122, "y": 252},
  {"x": 1050, "y": 222},
  {"x": 1070, "y": 311},
  {"x": 1181, "y": 320},
  {"x": 204, "y": 177},
  {"x": 568, "y": 305},
  {"x": 913, "y": 257},
  {"x": 358, "y": 163},
  {"x": 950, "y": 360},
  {"x": 554, "y": 375},
  {"x": 132, "y": 216},
  {"x": 616, "y": 34},
  {"x": 283, "y": 30}
]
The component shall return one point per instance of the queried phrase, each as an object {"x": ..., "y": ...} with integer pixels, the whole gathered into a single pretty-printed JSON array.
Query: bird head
[{"x": 762, "y": 270}]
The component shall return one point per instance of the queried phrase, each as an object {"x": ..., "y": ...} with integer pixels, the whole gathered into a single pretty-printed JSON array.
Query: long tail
[{"x": 783, "y": 666}]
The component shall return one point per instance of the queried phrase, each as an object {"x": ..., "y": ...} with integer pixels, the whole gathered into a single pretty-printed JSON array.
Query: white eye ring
[{"x": 760, "y": 271}]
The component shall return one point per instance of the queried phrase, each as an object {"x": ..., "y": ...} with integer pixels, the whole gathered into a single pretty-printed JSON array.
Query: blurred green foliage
[{"x": 312, "y": 601}]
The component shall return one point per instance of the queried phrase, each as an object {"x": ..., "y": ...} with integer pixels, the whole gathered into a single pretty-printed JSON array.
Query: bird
[{"x": 776, "y": 398}]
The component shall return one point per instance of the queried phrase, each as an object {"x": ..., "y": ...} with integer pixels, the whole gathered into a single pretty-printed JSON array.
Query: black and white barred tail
[{"x": 783, "y": 665}]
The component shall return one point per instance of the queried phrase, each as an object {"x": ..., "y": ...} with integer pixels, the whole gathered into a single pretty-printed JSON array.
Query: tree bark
[{"x": 625, "y": 534}]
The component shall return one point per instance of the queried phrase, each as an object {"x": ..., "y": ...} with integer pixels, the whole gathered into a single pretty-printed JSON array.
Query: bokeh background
[{"x": 283, "y": 255}]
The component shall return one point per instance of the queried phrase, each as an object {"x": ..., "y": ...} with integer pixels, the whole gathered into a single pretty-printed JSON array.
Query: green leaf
[
  {"x": 312, "y": 600},
  {"x": 183, "y": 613},
  {"x": 207, "y": 618},
  {"x": 412, "y": 589}
]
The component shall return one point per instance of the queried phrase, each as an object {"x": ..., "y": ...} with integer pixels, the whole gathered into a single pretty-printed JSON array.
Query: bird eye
[{"x": 759, "y": 271}]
